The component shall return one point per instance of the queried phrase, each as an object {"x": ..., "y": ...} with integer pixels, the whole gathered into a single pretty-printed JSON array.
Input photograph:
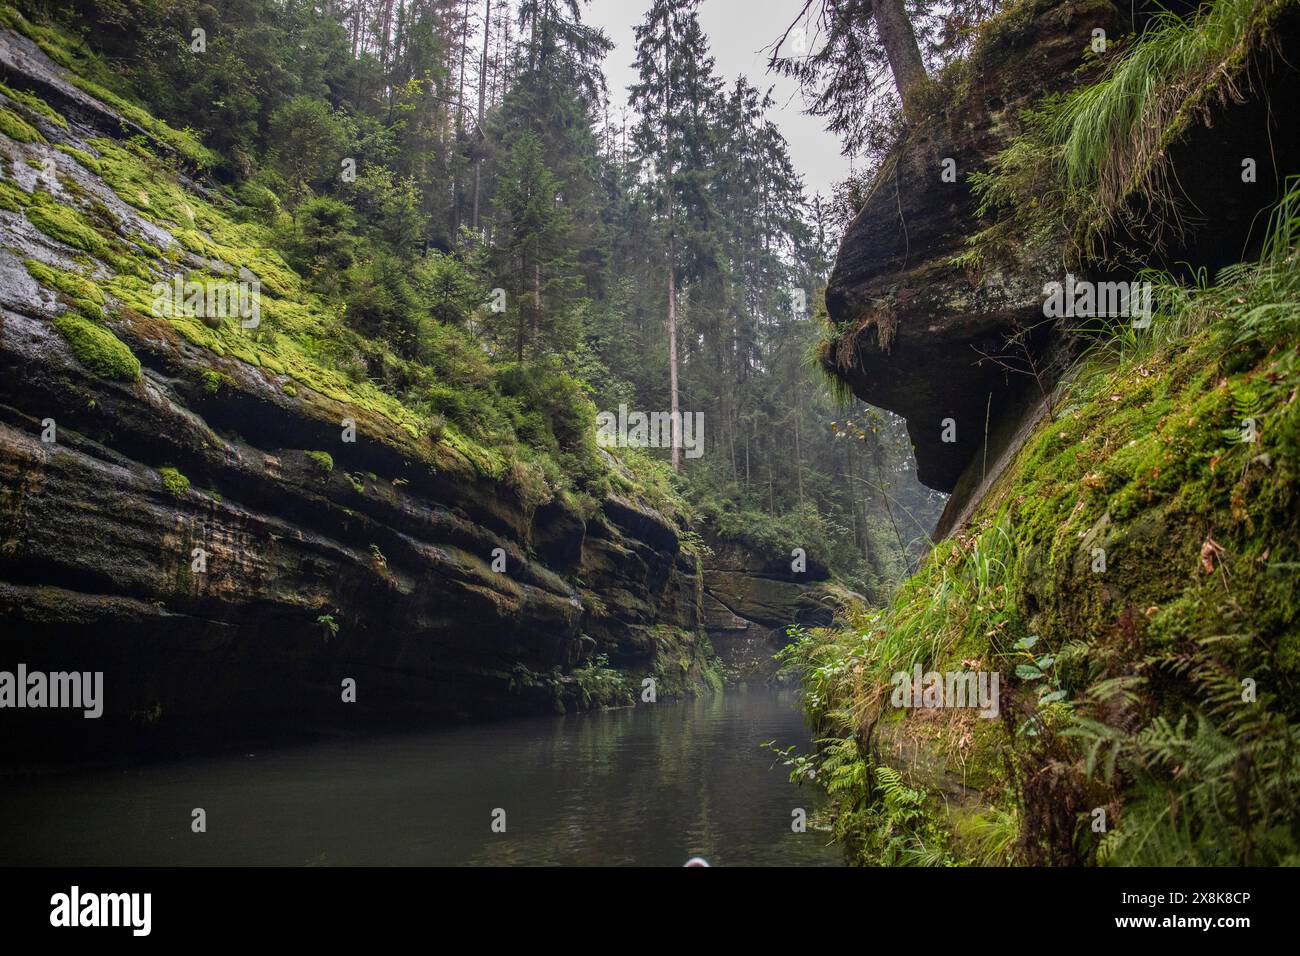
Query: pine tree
[
  {"x": 676, "y": 95},
  {"x": 532, "y": 248}
]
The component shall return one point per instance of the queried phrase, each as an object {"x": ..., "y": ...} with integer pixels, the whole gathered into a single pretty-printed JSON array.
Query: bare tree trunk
[
  {"x": 388, "y": 26},
  {"x": 675, "y": 408},
  {"x": 520, "y": 326},
  {"x": 896, "y": 35},
  {"x": 537, "y": 300},
  {"x": 482, "y": 95},
  {"x": 460, "y": 130},
  {"x": 798, "y": 453},
  {"x": 731, "y": 442}
]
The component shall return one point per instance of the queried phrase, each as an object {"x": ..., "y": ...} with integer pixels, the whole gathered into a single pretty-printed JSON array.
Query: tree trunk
[
  {"x": 896, "y": 35},
  {"x": 674, "y": 408},
  {"x": 460, "y": 130},
  {"x": 537, "y": 300},
  {"x": 798, "y": 453},
  {"x": 388, "y": 26},
  {"x": 482, "y": 94}
]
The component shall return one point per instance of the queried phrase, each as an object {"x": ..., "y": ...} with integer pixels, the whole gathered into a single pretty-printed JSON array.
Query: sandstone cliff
[{"x": 181, "y": 506}]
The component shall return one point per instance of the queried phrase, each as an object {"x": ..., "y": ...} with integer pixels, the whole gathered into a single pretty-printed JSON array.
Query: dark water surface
[{"x": 651, "y": 785}]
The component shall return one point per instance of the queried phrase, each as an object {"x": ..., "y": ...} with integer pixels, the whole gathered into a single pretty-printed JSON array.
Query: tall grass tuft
[{"x": 1112, "y": 134}]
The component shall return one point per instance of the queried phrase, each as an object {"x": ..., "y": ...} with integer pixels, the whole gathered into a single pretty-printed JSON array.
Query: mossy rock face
[
  {"x": 98, "y": 349},
  {"x": 34, "y": 106},
  {"x": 84, "y": 294},
  {"x": 65, "y": 224},
  {"x": 396, "y": 550},
  {"x": 13, "y": 197}
]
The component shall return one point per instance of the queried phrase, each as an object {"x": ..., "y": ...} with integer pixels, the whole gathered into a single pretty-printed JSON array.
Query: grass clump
[
  {"x": 1085, "y": 154},
  {"x": 1112, "y": 132},
  {"x": 98, "y": 349}
]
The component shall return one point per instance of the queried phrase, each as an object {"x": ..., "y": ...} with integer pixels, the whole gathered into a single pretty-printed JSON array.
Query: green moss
[
  {"x": 34, "y": 105},
  {"x": 59, "y": 46},
  {"x": 684, "y": 662},
  {"x": 213, "y": 380},
  {"x": 176, "y": 483},
  {"x": 13, "y": 197},
  {"x": 65, "y": 224},
  {"x": 322, "y": 460},
  {"x": 450, "y": 415},
  {"x": 85, "y": 159},
  {"x": 185, "y": 142},
  {"x": 84, "y": 295},
  {"x": 98, "y": 349},
  {"x": 1147, "y": 466},
  {"x": 17, "y": 128}
]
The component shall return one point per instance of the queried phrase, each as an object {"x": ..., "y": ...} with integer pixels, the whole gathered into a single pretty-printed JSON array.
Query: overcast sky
[{"x": 737, "y": 31}]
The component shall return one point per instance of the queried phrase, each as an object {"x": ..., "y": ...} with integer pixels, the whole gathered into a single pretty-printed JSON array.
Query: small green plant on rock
[
  {"x": 322, "y": 460},
  {"x": 328, "y": 626},
  {"x": 174, "y": 481}
]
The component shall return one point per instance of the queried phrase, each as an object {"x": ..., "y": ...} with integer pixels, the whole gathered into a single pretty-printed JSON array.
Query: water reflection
[{"x": 651, "y": 785}]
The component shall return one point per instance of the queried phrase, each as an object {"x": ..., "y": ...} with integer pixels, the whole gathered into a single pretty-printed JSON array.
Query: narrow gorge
[{"x": 308, "y": 316}]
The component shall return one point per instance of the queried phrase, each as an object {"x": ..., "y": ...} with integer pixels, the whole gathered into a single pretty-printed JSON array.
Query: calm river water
[{"x": 653, "y": 785}]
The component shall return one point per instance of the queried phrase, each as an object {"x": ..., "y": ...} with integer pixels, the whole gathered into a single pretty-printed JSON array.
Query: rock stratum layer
[
  {"x": 749, "y": 602},
  {"x": 373, "y": 561}
]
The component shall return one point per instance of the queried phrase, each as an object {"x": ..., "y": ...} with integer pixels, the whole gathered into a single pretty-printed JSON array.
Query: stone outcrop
[
  {"x": 750, "y": 600},
  {"x": 916, "y": 323},
  {"x": 953, "y": 348}
]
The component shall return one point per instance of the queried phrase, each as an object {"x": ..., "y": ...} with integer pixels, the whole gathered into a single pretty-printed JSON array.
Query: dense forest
[{"x": 1013, "y": 402}]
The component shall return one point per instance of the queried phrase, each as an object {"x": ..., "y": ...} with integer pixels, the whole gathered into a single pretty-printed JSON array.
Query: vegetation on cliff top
[
  {"x": 1135, "y": 568},
  {"x": 532, "y": 428},
  {"x": 1088, "y": 153}
]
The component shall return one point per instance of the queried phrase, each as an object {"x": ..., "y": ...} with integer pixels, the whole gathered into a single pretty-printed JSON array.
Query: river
[{"x": 651, "y": 785}]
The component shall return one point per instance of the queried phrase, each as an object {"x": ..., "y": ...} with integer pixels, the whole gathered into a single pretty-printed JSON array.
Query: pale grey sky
[{"x": 737, "y": 31}]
